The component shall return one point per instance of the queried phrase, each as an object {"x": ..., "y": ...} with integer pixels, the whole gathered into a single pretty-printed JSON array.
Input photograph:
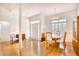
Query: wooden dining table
[{"x": 55, "y": 39}]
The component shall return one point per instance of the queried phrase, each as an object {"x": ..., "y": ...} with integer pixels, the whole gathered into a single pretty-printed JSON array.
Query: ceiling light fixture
[{"x": 55, "y": 17}]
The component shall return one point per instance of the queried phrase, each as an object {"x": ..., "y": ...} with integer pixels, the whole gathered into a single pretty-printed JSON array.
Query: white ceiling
[
  {"x": 30, "y": 9},
  {"x": 47, "y": 9}
]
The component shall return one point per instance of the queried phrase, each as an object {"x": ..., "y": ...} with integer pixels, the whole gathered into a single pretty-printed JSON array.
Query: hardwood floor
[{"x": 35, "y": 48}]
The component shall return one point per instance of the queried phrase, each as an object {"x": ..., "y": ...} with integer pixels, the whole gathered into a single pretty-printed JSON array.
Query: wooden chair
[
  {"x": 43, "y": 40},
  {"x": 62, "y": 42},
  {"x": 49, "y": 40},
  {"x": 43, "y": 37},
  {"x": 75, "y": 35}
]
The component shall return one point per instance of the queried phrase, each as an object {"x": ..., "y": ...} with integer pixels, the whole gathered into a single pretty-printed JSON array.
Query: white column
[
  {"x": 69, "y": 29},
  {"x": 43, "y": 23},
  {"x": 48, "y": 24},
  {"x": 78, "y": 11},
  {"x": 30, "y": 28},
  {"x": 20, "y": 35}
]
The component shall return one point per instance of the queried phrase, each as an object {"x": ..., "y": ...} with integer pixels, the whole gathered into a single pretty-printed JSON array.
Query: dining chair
[
  {"x": 43, "y": 40},
  {"x": 75, "y": 35},
  {"x": 62, "y": 42},
  {"x": 49, "y": 41},
  {"x": 43, "y": 37},
  {"x": 48, "y": 38}
]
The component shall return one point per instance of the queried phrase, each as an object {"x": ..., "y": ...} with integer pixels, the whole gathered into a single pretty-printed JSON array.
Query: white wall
[
  {"x": 11, "y": 16},
  {"x": 25, "y": 25},
  {"x": 43, "y": 22},
  {"x": 78, "y": 11},
  {"x": 5, "y": 31}
]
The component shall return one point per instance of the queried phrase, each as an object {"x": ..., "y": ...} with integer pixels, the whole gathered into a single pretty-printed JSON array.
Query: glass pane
[
  {"x": 60, "y": 28},
  {"x": 52, "y": 28},
  {"x": 63, "y": 29},
  {"x": 75, "y": 25}
]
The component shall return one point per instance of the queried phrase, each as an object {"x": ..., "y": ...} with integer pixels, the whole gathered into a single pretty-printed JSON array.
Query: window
[
  {"x": 59, "y": 26},
  {"x": 75, "y": 25}
]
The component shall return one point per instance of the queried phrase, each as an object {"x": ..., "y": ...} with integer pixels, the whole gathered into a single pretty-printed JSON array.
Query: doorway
[{"x": 35, "y": 30}]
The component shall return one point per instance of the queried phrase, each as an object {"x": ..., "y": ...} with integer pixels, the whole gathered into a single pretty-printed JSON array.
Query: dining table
[{"x": 55, "y": 39}]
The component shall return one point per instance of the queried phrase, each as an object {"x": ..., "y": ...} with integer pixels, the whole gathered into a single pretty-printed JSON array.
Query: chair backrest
[
  {"x": 64, "y": 37},
  {"x": 49, "y": 36},
  {"x": 43, "y": 37},
  {"x": 75, "y": 35}
]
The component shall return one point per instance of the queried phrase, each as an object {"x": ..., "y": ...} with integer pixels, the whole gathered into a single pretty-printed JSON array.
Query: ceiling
[{"x": 30, "y": 9}]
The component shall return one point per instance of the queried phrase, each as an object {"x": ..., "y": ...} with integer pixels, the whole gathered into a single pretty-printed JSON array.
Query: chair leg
[
  {"x": 64, "y": 49},
  {"x": 47, "y": 45}
]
